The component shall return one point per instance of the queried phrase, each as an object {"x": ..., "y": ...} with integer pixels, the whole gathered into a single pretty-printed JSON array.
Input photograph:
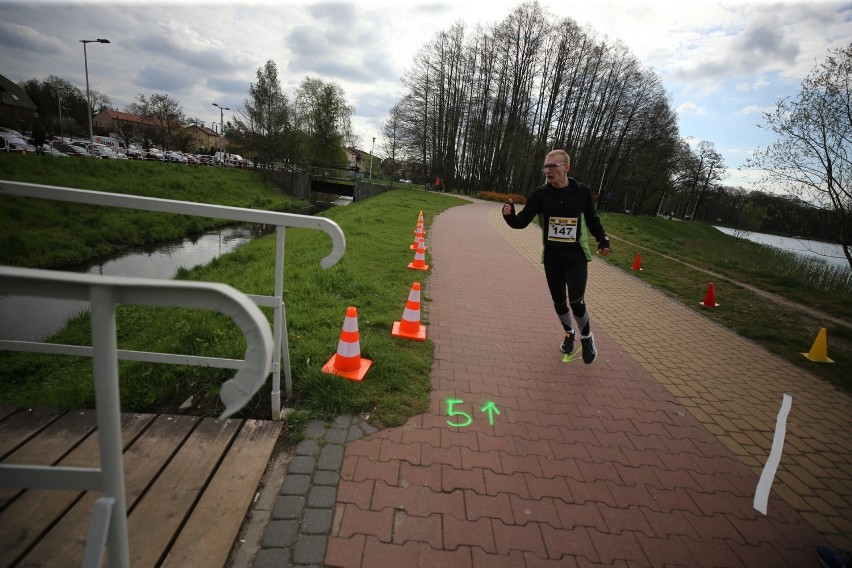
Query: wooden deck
[{"x": 189, "y": 483}]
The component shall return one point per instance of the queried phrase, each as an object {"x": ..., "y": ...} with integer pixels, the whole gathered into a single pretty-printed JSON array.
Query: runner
[{"x": 567, "y": 213}]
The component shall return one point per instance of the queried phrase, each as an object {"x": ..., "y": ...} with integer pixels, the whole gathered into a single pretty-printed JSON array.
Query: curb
[{"x": 301, "y": 520}]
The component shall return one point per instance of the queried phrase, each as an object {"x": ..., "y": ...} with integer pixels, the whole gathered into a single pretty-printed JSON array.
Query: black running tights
[{"x": 567, "y": 284}]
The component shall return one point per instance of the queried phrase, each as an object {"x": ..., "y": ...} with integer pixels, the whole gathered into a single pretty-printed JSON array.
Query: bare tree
[
  {"x": 391, "y": 144},
  {"x": 811, "y": 159},
  {"x": 482, "y": 108}
]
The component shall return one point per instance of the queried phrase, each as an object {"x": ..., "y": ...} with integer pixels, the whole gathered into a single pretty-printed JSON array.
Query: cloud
[
  {"x": 163, "y": 80},
  {"x": 756, "y": 39},
  {"x": 690, "y": 107},
  {"x": 753, "y": 85},
  {"x": 26, "y": 38},
  {"x": 755, "y": 109}
]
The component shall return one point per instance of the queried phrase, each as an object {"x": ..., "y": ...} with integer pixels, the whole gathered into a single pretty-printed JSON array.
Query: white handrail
[
  {"x": 280, "y": 220},
  {"x": 109, "y": 519}
]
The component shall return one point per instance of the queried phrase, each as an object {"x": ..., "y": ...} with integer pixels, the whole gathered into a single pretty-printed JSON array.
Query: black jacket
[{"x": 567, "y": 217}]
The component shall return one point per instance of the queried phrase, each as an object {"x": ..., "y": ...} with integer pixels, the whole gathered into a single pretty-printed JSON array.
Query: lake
[{"x": 829, "y": 252}]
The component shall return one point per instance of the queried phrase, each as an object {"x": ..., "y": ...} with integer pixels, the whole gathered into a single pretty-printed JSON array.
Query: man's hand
[
  {"x": 507, "y": 209},
  {"x": 605, "y": 251}
]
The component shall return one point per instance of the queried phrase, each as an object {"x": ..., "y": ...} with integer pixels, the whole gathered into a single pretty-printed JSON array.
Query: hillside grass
[
  {"x": 786, "y": 330},
  {"x": 44, "y": 234}
]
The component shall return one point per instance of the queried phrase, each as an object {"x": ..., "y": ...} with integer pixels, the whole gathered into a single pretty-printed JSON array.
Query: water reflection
[
  {"x": 29, "y": 318},
  {"x": 828, "y": 252}
]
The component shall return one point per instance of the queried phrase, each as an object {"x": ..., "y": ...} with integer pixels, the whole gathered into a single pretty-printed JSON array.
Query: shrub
[{"x": 501, "y": 197}]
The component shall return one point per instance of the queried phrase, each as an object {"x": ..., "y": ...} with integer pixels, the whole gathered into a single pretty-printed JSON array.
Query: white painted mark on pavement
[{"x": 761, "y": 494}]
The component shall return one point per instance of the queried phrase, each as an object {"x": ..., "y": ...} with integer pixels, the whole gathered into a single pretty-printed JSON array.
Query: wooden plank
[
  {"x": 30, "y": 515},
  {"x": 163, "y": 508},
  {"x": 21, "y": 426},
  {"x": 209, "y": 534},
  {"x": 50, "y": 444},
  {"x": 63, "y": 545}
]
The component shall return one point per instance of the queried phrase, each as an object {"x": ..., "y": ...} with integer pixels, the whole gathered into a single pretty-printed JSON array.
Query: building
[
  {"x": 115, "y": 123},
  {"x": 204, "y": 137},
  {"x": 16, "y": 107},
  {"x": 353, "y": 156}
]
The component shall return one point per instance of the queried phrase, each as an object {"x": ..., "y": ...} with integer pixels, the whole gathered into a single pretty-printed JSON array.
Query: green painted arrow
[{"x": 491, "y": 409}]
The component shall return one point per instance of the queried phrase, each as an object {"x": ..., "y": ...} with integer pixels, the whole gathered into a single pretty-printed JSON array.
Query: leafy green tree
[
  {"x": 324, "y": 119},
  {"x": 168, "y": 117},
  {"x": 811, "y": 159},
  {"x": 55, "y": 99},
  {"x": 262, "y": 122}
]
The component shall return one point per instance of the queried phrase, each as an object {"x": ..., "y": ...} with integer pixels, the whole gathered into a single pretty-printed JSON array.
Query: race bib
[{"x": 562, "y": 229}]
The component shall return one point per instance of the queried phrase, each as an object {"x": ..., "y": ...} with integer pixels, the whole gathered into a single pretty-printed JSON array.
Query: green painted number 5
[{"x": 453, "y": 412}]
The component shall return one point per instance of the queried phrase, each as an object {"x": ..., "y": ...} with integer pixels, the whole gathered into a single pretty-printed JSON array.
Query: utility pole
[{"x": 371, "y": 159}]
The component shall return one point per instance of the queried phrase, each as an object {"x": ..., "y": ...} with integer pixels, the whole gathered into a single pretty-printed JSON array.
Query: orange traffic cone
[
  {"x": 347, "y": 362},
  {"x": 419, "y": 262},
  {"x": 409, "y": 327},
  {"x": 819, "y": 350},
  {"x": 710, "y": 298},
  {"x": 637, "y": 264},
  {"x": 418, "y": 237}
]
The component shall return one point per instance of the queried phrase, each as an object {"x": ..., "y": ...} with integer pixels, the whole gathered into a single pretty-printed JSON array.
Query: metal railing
[
  {"x": 108, "y": 524},
  {"x": 276, "y": 302}
]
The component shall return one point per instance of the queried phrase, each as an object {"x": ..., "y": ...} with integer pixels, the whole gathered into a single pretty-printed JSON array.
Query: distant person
[
  {"x": 439, "y": 186},
  {"x": 567, "y": 213},
  {"x": 39, "y": 138}
]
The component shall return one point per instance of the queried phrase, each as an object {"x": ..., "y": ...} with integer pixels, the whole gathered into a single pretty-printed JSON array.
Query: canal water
[
  {"x": 27, "y": 318},
  {"x": 828, "y": 252}
]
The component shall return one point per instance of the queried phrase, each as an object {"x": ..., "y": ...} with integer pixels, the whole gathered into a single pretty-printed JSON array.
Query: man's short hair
[{"x": 562, "y": 154}]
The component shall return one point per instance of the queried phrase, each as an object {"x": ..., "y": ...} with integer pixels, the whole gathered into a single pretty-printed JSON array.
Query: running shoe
[
  {"x": 567, "y": 346},
  {"x": 589, "y": 351}
]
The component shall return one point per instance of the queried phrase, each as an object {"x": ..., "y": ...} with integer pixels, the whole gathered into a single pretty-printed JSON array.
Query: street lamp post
[
  {"x": 221, "y": 119},
  {"x": 59, "y": 98},
  {"x": 371, "y": 158},
  {"x": 600, "y": 188},
  {"x": 88, "y": 96}
]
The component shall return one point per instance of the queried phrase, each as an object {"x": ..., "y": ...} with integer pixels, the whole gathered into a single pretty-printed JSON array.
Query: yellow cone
[{"x": 819, "y": 351}]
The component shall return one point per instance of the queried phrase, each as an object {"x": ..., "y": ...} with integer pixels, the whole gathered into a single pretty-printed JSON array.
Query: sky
[{"x": 722, "y": 62}]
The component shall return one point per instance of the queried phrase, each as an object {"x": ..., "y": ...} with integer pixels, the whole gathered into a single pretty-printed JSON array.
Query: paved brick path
[{"x": 648, "y": 457}]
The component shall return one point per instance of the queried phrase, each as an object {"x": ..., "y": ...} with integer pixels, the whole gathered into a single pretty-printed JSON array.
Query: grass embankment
[
  {"x": 43, "y": 234},
  {"x": 372, "y": 276},
  {"x": 783, "y": 329}
]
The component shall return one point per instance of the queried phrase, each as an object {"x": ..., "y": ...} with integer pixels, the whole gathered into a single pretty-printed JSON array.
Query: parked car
[
  {"x": 70, "y": 150},
  {"x": 175, "y": 157},
  {"x": 3, "y": 129},
  {"x": 13, "y": 143},
  {"x": 153, "y": 154},
  {"x": 51, "y": 150},
  {"x": 104, "y": 152},
  {"x": 134, "y": 152}
]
